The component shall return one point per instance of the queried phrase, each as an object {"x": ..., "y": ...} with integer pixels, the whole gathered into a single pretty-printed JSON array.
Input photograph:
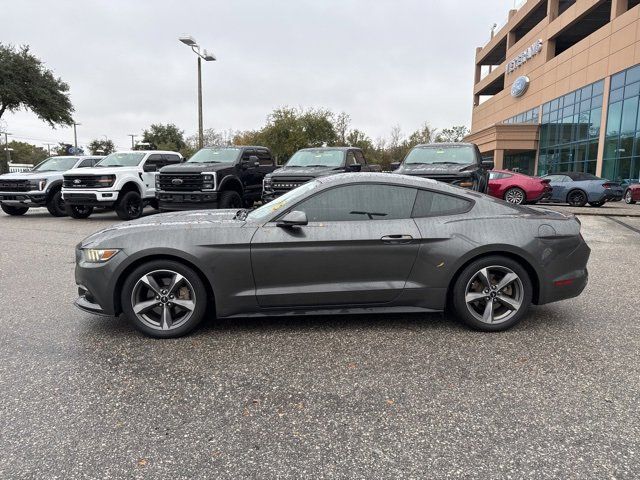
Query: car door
[
  {"x": 266, "y": 166},
  {"x": 559, "y": 185},
  {"x": 249, "y": 173},
  {"x": 358, "y": 248}
]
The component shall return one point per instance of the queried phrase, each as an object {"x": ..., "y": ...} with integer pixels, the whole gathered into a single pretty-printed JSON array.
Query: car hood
[
  {"x": 439, "y": 169},
  {"x": 101, "y": 170},
  {"x": 29, "y": 175},
  {"x": 163, "y": 222},
  {"x": 305, "y": 171},
  {"x": 195, "y": 167}
]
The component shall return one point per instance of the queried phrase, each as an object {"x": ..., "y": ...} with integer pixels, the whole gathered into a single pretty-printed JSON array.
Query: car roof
[
  {"x": 444, "y": 144},
  {"x": 148, "y": 151},
  {"x": 377, "y": 177},
  {"x": 578, "y": 176},
  {"x": 328, "y": 148},
  {"x": 510, "y": 172}
]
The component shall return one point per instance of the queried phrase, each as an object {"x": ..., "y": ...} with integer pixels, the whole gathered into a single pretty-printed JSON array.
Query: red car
[
  {"x": 632, "y": 193},
  {"x": 517, "y": 187}
]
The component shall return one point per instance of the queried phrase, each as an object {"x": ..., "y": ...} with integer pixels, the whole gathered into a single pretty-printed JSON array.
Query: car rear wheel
[
  {"x": 577, "y": 198},
  {"x": 55, "y": 205},
  {"x": 596, "y": 204},
  {"x": 78, "y": 211},
  {"x": 492, "y": 294},
  {"x": 164, "y": 299},
  {"x": 15, "y": 211},
  {"x": 515, "y": 195},
  {"x": 230, "y": 199},
  {"x": 129, "y": 206},
  {"x": 628, "y": 197}
]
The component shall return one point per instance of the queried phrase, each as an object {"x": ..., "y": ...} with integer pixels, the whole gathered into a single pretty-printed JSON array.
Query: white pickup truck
[{"x": 124, "y": 181}]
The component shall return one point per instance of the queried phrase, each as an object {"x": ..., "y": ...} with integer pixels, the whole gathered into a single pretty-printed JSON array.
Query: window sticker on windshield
[
  {"x": 439, "y": 152},
  {"x": 277, "y": 206}
]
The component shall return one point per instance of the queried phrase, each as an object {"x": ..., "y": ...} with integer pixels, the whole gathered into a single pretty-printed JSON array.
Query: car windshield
[
  {"x": 316, "y": 158},
  {"x": 215, "y": 155},
  {"x": 283, "y": 202},
  {"x": 433, "y": 155},
  {"x": 55, "y": 164},
  {"x": 121, "y": 159}
]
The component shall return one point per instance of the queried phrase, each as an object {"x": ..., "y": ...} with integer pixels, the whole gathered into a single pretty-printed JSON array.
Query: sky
[{"x": 384, "y": 62}]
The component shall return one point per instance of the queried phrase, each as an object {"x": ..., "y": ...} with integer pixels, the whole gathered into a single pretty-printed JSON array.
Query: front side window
[
  {"x": 55, "y": 164},
  {"x": 121, "y": 159},
  {"x": 264, "y": 157},
  {"x": 172, "y": 159},
  {"x": 429, "y": 204},
  {"x": 434, "y": 155},
  {"x": 359, "y": 202},
  {"x": 360, "y": 158}
]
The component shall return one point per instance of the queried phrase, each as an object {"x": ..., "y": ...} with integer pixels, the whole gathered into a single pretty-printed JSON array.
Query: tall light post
[
  {"x": 202, "y": 55},
  {"x": 6, "y": 149},
  {"x": 133, "y": 136},
  {"x": 75, "y": 135}
]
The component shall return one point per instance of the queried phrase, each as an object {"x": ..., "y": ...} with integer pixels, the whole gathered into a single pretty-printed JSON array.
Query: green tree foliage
[
  {"x": 26, "y": 84},
  {"x": 453, "y": 134},
  {"x": 64, "y": 149},
  {"x": 101, "y": 146},
  {"x": 164, "y": 137},
  {"x": 26, "y": 153}
]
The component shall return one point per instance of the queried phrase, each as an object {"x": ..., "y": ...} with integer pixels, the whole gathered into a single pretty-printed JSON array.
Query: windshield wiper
[
  {"x": 446, "y": 163},
  {"x": 312, "y": 166}
]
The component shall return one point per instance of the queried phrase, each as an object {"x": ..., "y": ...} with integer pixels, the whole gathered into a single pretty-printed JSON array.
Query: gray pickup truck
[
  {"x": 311, "y": 163},
  {"x": 41, "y": 186}
]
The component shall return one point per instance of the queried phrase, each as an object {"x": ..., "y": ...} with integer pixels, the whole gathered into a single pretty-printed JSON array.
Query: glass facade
[
  {"x": 522, "y": 162},
  {"x": 530, "y": 116},
  {"x": 569, "y": 131},
  {"x": 621, "y": 161}
]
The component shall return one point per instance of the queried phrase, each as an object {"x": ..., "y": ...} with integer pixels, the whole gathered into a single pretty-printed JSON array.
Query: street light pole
[
  {"x": 6, "y": 152},
  {"x": 132, "y": 135},
  {"x": 75, "y": 135},
  {"x": 202, "y": 55}
]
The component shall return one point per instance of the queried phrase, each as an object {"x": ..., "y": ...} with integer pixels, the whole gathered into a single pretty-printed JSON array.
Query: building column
[
  {"x": 498, "y": 159},
  {"x": 603, "y": 125},
  {"x": 553, "y": 10},
  {"x": 618, "y": 7}
]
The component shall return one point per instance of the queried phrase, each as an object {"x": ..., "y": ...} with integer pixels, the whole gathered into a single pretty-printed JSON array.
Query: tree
[
  {"x": 26, "y": 84},
  {"x": 101, "y": 147},
  {"x": 67, "y": 149},
  {"x": 26, "y": 153},
  {"x": 453, "y": 134},
  {"x": 341, "y": 125},
  {"x": 164, "y": 137}
]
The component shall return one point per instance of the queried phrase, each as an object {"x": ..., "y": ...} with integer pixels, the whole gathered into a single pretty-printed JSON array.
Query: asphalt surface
[{"x": 402, "y": 396}]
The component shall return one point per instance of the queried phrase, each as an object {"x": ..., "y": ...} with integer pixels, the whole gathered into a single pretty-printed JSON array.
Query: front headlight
[
  {"x": 38, "y": 184},
  {"x": 105, "y": 181},
  {"x": 209, "y": 181},
  {"x": 267, "y": 181},
  {"x": 94, "y": 255}
]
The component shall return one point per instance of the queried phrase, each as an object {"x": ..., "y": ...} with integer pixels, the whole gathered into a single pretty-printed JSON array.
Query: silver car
[{"x": 578, "y": 188}]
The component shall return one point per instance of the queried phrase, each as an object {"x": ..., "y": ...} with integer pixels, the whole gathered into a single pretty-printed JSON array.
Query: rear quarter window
[{"x": 431, "y": 204}]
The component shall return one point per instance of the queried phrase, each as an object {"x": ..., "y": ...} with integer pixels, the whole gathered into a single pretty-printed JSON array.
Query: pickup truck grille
[
  {"x": 284, "y": 184},
  {"x": 179, "y": 182},
  {"x": 82, "y": 181},
  {"x": 14, "y": 186}
]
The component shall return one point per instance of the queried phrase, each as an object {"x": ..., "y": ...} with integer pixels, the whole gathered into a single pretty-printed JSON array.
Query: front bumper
[
  {"x": 187, "y": 200},
  {"x": 35, "y": 198},
  {"x": 87, "y": 303},
  {"x": 94, "y": 198}
]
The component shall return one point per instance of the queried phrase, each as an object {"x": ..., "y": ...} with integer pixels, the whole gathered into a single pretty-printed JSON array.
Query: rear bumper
[{"x": 187, "y": 200}]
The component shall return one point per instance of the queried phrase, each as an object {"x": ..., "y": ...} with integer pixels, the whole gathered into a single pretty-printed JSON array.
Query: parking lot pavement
[{"x": 402, "y": 396}]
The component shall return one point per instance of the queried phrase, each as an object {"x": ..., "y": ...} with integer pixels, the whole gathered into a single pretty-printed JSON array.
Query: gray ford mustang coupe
[{"x": 348, "y": 243}]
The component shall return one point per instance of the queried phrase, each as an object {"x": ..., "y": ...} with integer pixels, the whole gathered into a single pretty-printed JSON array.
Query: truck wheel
[
  {"x": 11, "y": 210},
  {"x": 230, "y": 199},
  {"x": 78, "y": 211},
  {"x": 130, "y": 206},
  {"x": 55, "y": 205}
]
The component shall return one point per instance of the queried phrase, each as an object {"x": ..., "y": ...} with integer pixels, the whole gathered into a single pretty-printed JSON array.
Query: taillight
[{"x": 606, "y": 185}]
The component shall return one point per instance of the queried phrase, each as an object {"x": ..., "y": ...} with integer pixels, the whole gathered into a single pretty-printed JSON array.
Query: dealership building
[{"x": 558, "y": 89}]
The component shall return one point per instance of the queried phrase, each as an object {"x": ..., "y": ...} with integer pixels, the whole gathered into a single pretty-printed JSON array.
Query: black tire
[
  {"x": 577, "y": 198},
  {"x": 596, "y": 204},
  {"x": 516, "y": 196},
  {"x": 78, "y": 211},
  {"x": 154, "y": 204},
  {"x": 230, "y": 199},
  {"x": 129, "y": 206},
  {"x": 628, "y": 197},
  {"x": 55, "y": 205},
  {"x": 466, "y": 284},
  {"x": 195, "y": 289},
  {"x": 14, "y": 211}
]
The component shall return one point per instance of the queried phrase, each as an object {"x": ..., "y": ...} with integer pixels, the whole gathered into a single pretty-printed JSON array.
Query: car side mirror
[
  {"x": 294, "y": 218},
  {"x": 395, "y": 165},
  {"x": 252, "y": 161},
  {"x": 488, "y": 164},
  {"x": 150, "y": 167},
  {"x": 356, "y": 167}
]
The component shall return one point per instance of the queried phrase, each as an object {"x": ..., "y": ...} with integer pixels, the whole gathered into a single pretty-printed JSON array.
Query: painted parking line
[{"x": 626, "y": 225}]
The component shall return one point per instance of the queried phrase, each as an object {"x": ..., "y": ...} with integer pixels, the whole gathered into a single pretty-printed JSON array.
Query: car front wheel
[
  {"x": 129, "y": 206},
  {"x": 14, "y": 211},
  {"x": 164, "y": 299},
  {"x": 577, "y": 198},
  {"x": 55, "y": 205},
  {"x": 492, "y": 294},
  {"x": 79, "y": 211},
  {"x": 628, "y": 197},
  {"x": 230, "y": 199}
]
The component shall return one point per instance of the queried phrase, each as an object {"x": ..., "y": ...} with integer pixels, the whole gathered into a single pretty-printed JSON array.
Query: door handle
[{"x": 396, "y": 239}]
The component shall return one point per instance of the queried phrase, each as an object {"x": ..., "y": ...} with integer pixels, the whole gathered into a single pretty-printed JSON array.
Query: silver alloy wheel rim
[
  {"x": 163, "y": 300},
  {"x": 494, "y": 294},
  {"x": 515, "y": 195},
  {"x": 627, "y": 196}
]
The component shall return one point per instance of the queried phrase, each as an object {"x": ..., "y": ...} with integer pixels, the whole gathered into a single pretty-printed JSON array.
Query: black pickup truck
[
  {"x": 216, "y": 177},
  {"x": 310, "y": 163},
  {"x": 458, "y": 164}
]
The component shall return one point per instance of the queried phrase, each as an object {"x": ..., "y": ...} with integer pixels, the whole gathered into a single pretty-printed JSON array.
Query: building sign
[
  {"x": 529, "y": 53},
  {"x": 520, "y": 86}
]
